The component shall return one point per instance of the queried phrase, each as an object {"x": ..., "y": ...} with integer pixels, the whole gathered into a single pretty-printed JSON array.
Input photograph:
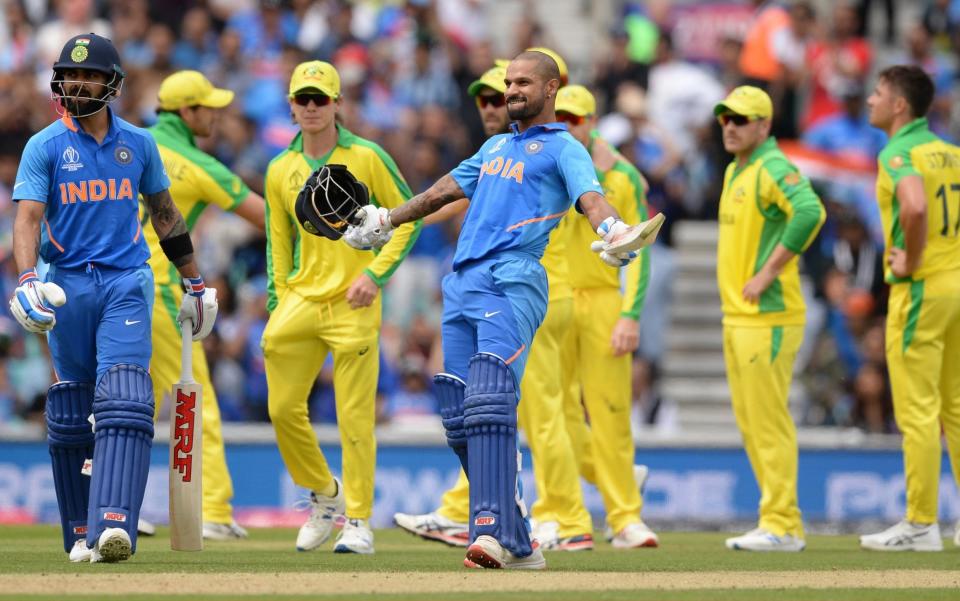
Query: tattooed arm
[
  {"x": 172, "y": 231},
  {"x": 445, "y": 191}
]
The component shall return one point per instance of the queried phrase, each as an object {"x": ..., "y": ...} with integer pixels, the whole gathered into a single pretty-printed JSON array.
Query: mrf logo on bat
[{"x": 186, "y": 420}]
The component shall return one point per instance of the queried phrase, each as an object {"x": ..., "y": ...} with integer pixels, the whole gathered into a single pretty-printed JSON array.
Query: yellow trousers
[
  {"x": 600, "y": 383},
  {"x": 540, "y": 414},
  {"x": 165, "y": 371},
  {"x": 759, "y": 363},
  {"x": 299, "y": 335},
  {"x": 923, "y": 356}
]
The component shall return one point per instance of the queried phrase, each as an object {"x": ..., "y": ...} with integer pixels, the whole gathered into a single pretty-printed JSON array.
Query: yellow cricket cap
[
  {"x": 492, "y": 78},
  {"x": 564, "y": 74},
  {"x": 316, "y": 75},
  {"x": 576, "y": 100},
  {"x": 748, "y": 101},
  {"x": 191, "y": 88}
]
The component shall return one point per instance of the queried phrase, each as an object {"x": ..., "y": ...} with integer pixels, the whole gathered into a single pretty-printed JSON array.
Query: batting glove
[
  {"x": 199, "y": 306},
  {"x": 30, "y": 306},
  {"x": 612, "y": 259},
  {"x": 374, "y": 230}
]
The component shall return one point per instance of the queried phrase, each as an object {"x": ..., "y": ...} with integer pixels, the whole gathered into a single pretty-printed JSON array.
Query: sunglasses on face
[
  {"x": 738, "y": 120},
  {"x": 570, "y": 119},
  {"x": 494, "y": 100},
  {"x": 318, "y": 99}
]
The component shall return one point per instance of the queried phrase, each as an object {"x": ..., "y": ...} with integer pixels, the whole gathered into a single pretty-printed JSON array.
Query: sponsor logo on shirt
[
  {"x": 71, "y": 159},
  {"x": 498, "y": 145}
]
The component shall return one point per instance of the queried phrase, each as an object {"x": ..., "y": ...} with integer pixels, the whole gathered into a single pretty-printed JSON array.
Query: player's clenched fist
[
  {"x": 199, "y": 306},
  {"x": 33, "y": 301},
  {"x": 374, "y": 229}
]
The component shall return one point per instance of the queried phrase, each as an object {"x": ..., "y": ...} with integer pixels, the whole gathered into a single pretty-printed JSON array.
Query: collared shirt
[
  {"x": 520, "y": 185},
  {"x": 90, "y": 190},
  {"x": 623, "y": 189},
  {"x": 317, "y": 268},
  {"x": 197, "y": 181},
  {"x": 915, "y": 150},
  {"x": 765, "y": 202}
]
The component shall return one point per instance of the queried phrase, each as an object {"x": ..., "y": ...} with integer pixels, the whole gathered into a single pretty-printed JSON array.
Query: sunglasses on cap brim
[{"x": 318, "y": 99}]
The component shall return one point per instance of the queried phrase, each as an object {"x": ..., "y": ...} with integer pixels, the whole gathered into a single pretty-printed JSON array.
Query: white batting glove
[
  {"x": 612, "y": 259},
  {"x": 374, "y": 230},
  {"x": 611, "y": 228},
  {"x": 33, "y": 301},
  {"x": 199, "y": 306}
]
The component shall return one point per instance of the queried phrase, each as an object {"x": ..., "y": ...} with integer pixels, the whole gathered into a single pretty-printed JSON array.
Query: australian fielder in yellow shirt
[
  {"x": 769, "y": 214},
  {"x": 604, "y": 332},
  {"x": 918, "y": 189},
  {"x": 188, "y": 105},
  {"x": 324, "y": 298}
]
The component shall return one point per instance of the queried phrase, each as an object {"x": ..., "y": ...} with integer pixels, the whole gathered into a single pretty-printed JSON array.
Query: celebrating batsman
[
  {"x": 77, "y": 189},
  {"x": 520, "y": 185}
]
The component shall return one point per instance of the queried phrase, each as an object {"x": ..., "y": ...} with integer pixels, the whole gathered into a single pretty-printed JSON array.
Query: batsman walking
[{"x": 76, "y": 190}]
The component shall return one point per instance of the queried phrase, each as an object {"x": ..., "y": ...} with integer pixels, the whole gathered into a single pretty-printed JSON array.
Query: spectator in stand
[
  {"x": 197, "y": 47},
  {"x": 412, "y": 400},
  {"x": 19, "y": 41},
  {"x": 843, "y": 57},
  {"x": 940, "y": 19},
  {"x": 618, "y": 68},
  {"x": 848, "y": 134},
  {"x": 74, "y": 17},
  {"x": 767, "y": 42},
  {"x": 429, "y": 82},
  {"x": 863, "y": 14},
  {"x": 265, "y": 31}
]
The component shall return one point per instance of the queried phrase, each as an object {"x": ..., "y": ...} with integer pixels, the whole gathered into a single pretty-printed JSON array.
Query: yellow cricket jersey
[
  {"x": 316, "y": 267},
  {"x": 915, "y": 150},
  {"x": 764, "y": 203},
  {"x": 623, "y": 189},
  {"x": 554, "y": 261},
  {"x": 197, "y": 180}
]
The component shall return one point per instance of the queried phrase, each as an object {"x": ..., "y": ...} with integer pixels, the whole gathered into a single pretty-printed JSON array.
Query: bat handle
[{"x": 186, "y": 350}]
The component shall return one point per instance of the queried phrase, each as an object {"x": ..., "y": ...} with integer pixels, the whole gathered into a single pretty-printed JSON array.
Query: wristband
[
  {"x": 26, "y": 276},
  {"x": 194, "y": 286},
  {"x": 177, "y": 247}
]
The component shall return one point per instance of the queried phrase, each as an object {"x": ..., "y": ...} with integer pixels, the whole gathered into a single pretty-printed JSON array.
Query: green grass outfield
[{"x": 33, "y": 567}]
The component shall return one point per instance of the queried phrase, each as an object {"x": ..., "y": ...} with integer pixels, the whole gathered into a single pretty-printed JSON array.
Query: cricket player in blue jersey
[
  {"x": 77, "y": 190},
  {"x": 520, "y": 184}
]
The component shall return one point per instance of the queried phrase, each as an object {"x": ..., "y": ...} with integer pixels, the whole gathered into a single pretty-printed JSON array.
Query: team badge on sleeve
[{"x": 896, "y": 162}]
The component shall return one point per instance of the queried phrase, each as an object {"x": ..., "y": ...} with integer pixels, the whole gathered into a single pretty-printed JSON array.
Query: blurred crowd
[{"x": 405, "y": 66}]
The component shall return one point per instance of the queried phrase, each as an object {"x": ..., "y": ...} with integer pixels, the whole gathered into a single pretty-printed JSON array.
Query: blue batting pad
[
  {"x": 490, "y": 421},
  {"x": 70, "y": 436},
  {"x": 450, "y": 390},
  {"x": 123, "y": 410}
]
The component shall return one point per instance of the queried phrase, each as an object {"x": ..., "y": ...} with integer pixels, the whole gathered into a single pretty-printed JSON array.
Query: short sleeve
[
  {"x": 221, "y": 186},
  {"x": 578, "y": 172},
  {"x": 154, "y": 178},
  {"x": 897, "y": 162},
  {"x": 33, "y": 175}
]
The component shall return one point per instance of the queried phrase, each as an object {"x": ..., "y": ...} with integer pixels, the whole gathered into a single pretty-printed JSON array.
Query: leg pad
[
  {"x": 70, "y": 436},
  {"x": 450, "y": 391}
]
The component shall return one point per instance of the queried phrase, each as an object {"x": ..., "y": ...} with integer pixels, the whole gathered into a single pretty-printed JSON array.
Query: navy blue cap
[{"x": 90, "y": 51}]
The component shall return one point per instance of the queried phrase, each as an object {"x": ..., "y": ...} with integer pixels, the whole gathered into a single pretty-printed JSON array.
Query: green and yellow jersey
[
  {"x": 197, "y": 180},
  {"x": 915, "y": 150},
  {"x": 315, "y": 267},
  {"x": 765, "y": 202},
  {"x": 554, "y": 261},
  {"x": 623, "y": 189}
]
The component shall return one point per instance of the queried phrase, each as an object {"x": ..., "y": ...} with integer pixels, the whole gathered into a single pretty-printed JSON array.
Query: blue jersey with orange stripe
[
  {"x": 520, "y": 185},
  {"x": 90, "y": 191}
]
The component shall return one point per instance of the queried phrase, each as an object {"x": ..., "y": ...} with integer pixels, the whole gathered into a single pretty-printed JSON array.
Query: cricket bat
[
  {"x": 636, "y": 237},
  {"x": 186, "y": 442}
]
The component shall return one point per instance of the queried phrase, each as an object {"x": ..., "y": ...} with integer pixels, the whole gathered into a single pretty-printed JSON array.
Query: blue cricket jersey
[
  {"x": 90, "y": 191},
  {"x": 520, "y": 185}
]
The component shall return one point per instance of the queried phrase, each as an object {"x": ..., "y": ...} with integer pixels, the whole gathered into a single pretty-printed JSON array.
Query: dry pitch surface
[{"x": 687, "y": 566}]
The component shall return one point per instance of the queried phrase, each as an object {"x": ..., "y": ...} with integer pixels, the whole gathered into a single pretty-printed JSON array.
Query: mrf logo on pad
[
  {"x": 185, "y": 425},
  {"x": 114, "y": 516},
  {"x": 484, "y": 520}
]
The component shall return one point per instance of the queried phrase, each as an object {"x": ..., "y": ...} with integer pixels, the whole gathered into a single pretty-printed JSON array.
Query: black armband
[{"x": 177, "y": 248}]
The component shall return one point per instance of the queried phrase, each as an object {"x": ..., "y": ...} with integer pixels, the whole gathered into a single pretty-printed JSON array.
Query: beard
[
  {"x": 529, "y": 109},
  {"x": 82, "y": 105}
]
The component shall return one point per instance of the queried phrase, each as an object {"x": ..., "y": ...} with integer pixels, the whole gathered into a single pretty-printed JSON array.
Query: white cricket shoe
[
  {"x": 356, "y": 537},
  {"x": 548, "y": 534},
  {"x": 760, "y": 539},
  {"x": 224, "y": 532},
  {"x": 112, "y": 546},
  {"x": 145, "y": 528},
  {"x": 956, "y": 534},
  {"x": 433, "y": 526},
  {"x": 905, "y": 536},
  {"x": 80, "y": 551},
  {"x": 323, "y": 509},
  {"x": 635, "y": 536},
  {"x": 486, "y": 552}
]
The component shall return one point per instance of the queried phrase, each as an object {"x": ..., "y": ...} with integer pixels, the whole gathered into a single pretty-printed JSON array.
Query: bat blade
[
  {"x": 636, "y": 237},
  {"x": 186, "y": 440}
]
